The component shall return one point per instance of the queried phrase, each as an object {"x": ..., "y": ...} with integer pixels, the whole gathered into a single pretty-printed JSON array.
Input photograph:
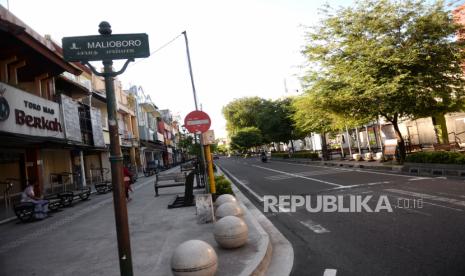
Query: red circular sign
[{"x": 197, "y": 121}]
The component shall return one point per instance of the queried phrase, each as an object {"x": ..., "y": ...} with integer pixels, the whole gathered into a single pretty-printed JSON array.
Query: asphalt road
[{"x": 427, "y": 238}]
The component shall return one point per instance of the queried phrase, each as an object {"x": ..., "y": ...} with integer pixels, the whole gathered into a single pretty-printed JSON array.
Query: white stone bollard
[
  {"x": 225, "y": 198},
  {"x": 357, "y": 157},
  {"x": 194, "y": 258},
  {"x": 368, "y": 156},
  {"x": 231, "y": 232},
  {"x": 228, "y": 209}
]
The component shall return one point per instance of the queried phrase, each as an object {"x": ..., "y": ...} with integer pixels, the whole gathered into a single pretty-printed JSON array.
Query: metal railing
[{"x": 6, "y": 188}]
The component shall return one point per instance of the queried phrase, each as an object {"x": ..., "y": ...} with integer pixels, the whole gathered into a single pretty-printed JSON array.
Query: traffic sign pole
[
  {"x": 211, "y": 176},
  {"x": 202, "y": 155}
]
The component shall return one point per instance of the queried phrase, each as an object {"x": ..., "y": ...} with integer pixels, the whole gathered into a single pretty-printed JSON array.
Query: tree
[
  {"x": 187, "y": 143},
  {"x": 275, "y": 121},
  {"x": 242, "y": 113},
  {"x": 309, "y": 117},
  {"x": 222, "y": 149},
  {"x": 246, "y": 138},
  {"x": 272, "y": 118},
  {"x": 396, "y": 59}
]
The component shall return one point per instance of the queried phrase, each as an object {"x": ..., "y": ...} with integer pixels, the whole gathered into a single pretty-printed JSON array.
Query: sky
[{"x": 238, "y": 48}]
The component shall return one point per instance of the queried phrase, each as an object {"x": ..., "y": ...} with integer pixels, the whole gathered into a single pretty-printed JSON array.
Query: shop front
[{"x": 29, "y": 125}]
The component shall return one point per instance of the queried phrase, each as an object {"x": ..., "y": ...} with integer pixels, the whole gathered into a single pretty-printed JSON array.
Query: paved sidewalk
[{"x": 82, "y": 241}]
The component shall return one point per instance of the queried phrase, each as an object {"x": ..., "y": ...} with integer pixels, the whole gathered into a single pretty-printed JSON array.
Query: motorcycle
[
  {"x": 151, "y": 169},
  {"x": 264, "y": 159}
]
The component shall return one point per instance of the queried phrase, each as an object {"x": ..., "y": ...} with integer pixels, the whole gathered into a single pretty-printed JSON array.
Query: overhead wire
[{"x": 157, "y": 50}]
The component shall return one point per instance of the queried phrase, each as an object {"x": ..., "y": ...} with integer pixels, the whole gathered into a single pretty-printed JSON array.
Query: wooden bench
[{"x": 169, "y": 180}]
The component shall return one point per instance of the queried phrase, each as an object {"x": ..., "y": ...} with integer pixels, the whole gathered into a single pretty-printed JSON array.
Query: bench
[
  {"x": 189, "y": 166},
  {"x": 169, "y": 180},
  {"x": 101, "y": 179},
  {"x": 444, "y": 147},
  {"x": 25, "y": 210},
  {"x": 66, "y": 198},
  {"x": 65, "y": 187},
  {"x": 103, "y": 187},
  {"x": 188, "y": 198}
]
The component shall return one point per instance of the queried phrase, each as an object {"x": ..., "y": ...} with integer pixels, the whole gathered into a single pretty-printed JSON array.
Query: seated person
[{"x": 40, "y": 205}]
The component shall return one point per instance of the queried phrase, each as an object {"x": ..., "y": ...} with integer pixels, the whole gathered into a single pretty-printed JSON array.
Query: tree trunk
[
  {"x": 440, "y": 128},
  {"x": 324, "y": 148},
  {"x": 400, "y": 141}
]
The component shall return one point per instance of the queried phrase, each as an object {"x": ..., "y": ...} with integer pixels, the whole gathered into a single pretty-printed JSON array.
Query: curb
[{"x": 279, "y": 256}]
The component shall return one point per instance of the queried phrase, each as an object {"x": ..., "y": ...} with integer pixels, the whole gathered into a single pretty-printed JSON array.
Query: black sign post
[{"x": 107, "y": 47}]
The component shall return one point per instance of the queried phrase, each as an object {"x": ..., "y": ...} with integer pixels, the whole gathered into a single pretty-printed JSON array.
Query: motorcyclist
[{"x": 263, "y": 156}]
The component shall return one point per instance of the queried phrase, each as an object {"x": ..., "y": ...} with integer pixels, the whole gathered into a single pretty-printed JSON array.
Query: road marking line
[
  {"x": 300, "y": 176},
  {"x": 417, "y": 178},
  {"x": 259, "y": 198},
  {"x": 306, "y": 173},
  {"x": 317, "y": 228},
  {"x": 361, "y": 185},
  {"x": 330, "y": 272},
  {"x": 415, "y": 211},
  {"x": 428, "y": 196},
  {"x": 439, "y": 205},
  {"x": 357, "y": 170}
]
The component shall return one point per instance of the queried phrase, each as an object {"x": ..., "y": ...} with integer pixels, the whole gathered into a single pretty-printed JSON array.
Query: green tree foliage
[
  {"x": 222, "y": 149},
  {"x": 274, "y": 119},
  {"x": 246, "y": 138},
  {"x": 397, "y": 59},
  {"x": 242, "y": 113},
  {"x": 187, "y": 143}
]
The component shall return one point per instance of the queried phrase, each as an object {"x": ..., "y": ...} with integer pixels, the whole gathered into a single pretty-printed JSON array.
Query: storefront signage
[
  {"x": 71, "y": 118},
  {"x": 24, "y": 113}
]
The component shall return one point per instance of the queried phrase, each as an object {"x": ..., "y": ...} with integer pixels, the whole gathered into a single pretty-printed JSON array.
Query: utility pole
[{"x": 202, "y": 154}]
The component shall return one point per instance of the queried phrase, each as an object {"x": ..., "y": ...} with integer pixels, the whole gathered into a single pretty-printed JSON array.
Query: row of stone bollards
[{"x": 198, "y": 258}]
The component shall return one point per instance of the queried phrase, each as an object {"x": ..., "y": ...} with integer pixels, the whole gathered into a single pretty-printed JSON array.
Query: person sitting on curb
[{"x": 40, "y": 205}]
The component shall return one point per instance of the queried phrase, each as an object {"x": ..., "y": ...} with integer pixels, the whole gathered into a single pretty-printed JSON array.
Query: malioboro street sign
[{"x": 109, "y": 47}]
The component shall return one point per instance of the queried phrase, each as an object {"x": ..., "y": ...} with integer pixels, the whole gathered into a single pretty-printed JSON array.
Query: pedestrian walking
[{"x": 127, "y": 177}]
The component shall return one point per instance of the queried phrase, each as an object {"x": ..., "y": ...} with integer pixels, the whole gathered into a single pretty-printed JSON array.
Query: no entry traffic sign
[{"x": 197, "y": 121}]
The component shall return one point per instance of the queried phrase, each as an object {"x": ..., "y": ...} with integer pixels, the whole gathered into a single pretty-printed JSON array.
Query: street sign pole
[
  {"x": 202, "y": 154},
  {"x": 107, "y": 47},
  {"x": 116, "y": 160}
]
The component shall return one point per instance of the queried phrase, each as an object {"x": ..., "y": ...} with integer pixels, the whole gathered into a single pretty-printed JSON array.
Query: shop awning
[{"x": 19, "y": 40}]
